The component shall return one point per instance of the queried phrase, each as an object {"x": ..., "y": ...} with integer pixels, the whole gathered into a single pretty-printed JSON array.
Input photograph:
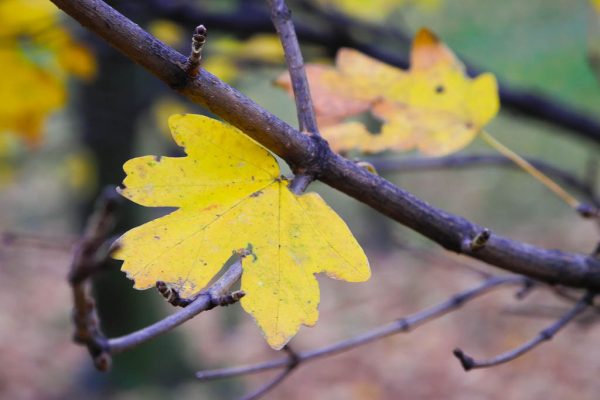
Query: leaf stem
[{"x": 530, "y": 169}]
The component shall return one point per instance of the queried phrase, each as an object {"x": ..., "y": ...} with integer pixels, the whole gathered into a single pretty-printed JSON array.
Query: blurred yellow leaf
[
  {"x": 434, "y": 106},
  {"x": 80, "y": 171},
  {"x": 6, "y": 155},
  {"x": 167, "y": 31},
  {"x": 227, "y": 53},
  {"x": 36, "y": 58},
  {"x": 377, "y": 10},
  {"x": 230, "y": 195},
  {"x": 163, "y": 108},
  {"x": 222, "y": 66}
]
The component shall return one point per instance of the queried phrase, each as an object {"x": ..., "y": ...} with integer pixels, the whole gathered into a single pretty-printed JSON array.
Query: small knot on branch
[
  {"x": 280, "y": 11},
  {"x": 228, "y": 299},
  {"x": 528, "y": 286},
  {"x": 478, "y": 242},
  {"x": 293, "y": 357},
  {"x": 466, "y": 361},
  {"x": 198, "y": 41},
  {"x": 103, "y": 362},
  {"x": 171, "y": 295},
  {"x": 367, "y": 166}
]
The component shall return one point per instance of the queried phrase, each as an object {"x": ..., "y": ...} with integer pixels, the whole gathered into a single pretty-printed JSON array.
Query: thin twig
[
  {"x": 469, "y": 363},
  {"x": 261, "y": 391},
  {"x": 401, "y": 325},
  {"x": 282, "y": 20},
  {"x": 35, "y": 240},
  {"x": 456, "y": 161},
  {"x": 307, "y": 120},
  {"x": 215, "y": 295}
]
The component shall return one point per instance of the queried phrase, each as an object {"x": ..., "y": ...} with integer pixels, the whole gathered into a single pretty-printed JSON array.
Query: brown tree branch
[
  {"x": 302, "y": 152},
  {"x": 401, "y": 325},
  {"x": 469, "y": 363}
]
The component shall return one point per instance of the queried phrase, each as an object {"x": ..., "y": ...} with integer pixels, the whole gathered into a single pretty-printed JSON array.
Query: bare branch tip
[
  {"x": 588, "y": 211},
  {"x": 103, "y": 362},
  {"x": 198, "y": 40},
  {"x": 466, "y": 361}
]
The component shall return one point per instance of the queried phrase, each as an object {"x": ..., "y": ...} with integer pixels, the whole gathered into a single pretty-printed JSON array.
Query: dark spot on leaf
[
  {"x": 439, "y": 89},
  {"x": 469, "y": 125},
  {"x": 156, "y": 237},
  {"x": 157, "y": 158},
  {"x": 256, "y": 194}
]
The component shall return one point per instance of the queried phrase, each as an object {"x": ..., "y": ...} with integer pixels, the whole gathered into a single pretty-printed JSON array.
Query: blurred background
[{"x": 72, "y": 111}]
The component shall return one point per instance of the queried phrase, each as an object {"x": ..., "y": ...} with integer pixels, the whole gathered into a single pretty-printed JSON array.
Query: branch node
[
  {"x": 229, "y": 299},
  {"x": 477, "y": 243},
  {"x": 293, "y": 357},
  {"x": 466, "y": 361},
  {"x": 195, "y": 57},
  {"x": 528, "y": 286},
  {"x": 367, "y": 166}
]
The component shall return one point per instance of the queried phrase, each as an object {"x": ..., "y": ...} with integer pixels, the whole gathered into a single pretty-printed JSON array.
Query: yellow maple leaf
[
  {"x": 434, "y": 106},
  {"x": 230, "y": 195}
]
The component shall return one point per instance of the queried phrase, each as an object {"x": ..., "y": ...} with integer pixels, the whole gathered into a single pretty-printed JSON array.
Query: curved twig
[
  {"x": 214, "y": 296},
  {"x": 469, "y": 363},
  {"x": 402, "y": 325}
]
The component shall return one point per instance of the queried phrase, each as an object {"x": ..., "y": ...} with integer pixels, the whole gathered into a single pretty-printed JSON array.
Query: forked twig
[
  {"x": 280, "y": 377},
  {"x": 469, "y": 363}
]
